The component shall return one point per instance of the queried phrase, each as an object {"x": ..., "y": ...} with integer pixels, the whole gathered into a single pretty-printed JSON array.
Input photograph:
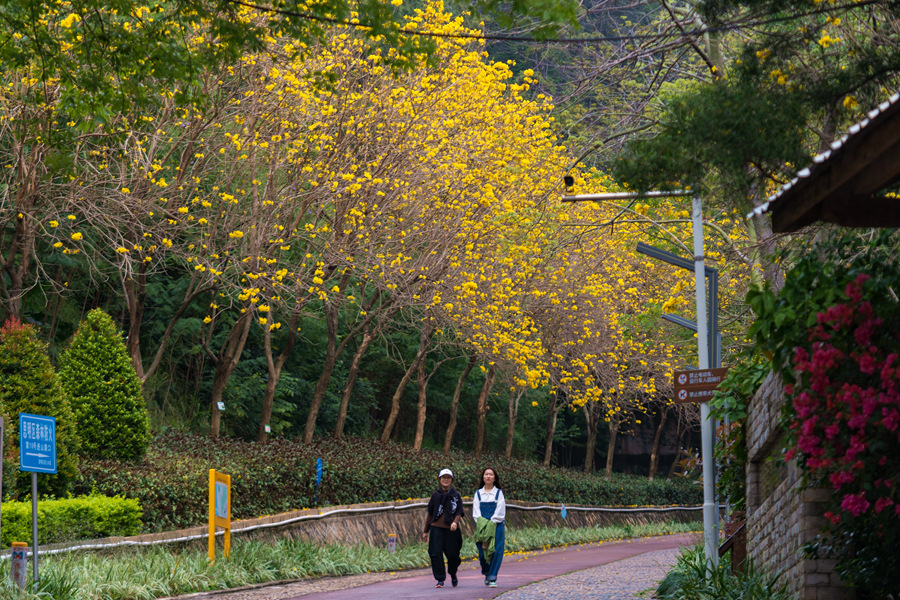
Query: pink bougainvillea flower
[{"x": 855, "y": 504}]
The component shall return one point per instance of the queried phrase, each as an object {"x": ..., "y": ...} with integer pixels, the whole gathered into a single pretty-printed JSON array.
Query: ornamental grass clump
[
  {"x": 105, "y": 392},
  {"x": 690, "y": 580}
]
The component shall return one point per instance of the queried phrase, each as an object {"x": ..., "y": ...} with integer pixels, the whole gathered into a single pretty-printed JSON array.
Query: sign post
[
  {"x": 707, "y": 431},
  {"x": 37, "y": 454},
  {"x": 219, "y": 510},
  {"x": 318, "y": 479}
]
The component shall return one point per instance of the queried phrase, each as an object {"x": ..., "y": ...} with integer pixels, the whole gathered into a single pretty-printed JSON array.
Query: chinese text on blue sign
[{"x": 37, "y": 447}]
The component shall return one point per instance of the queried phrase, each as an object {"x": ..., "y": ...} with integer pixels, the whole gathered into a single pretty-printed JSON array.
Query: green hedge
[
  {"x": 72, "y": 519},
  {"x": 171, "y": 483}
]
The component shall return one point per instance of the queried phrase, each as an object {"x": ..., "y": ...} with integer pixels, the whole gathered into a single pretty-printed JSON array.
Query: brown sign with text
[{"x": 698, "y": 385}]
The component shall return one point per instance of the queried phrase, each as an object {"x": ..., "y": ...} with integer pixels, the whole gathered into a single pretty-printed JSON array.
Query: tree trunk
[
  {"x": 421, "y": 385},
  {"x": 611, "y": 447},
  {"x": 135, "y": 292},
  {"x": 550, "y": 429},
  {"x": 424, "y": 340},
  {"x": 226, "y": 362},
  {"x": 189, "y": 296},
  {"x": 454, "y": 406},
  {"x": 679, "y": 434},
  {"x": 274, "y": 366},
  {"x": 591, "y": 422},
  {"x": 654, "y": 450},
  {"x": 16, "y": 264},
  {"x": 514, "y": 397},
  {"x": 265, "y": 418},
  {"x": 331, "y": 354},
  {"x": 483, "y": 408},
  {"x": 368, "y": 336},
  {"x": 332, "y": 351}
]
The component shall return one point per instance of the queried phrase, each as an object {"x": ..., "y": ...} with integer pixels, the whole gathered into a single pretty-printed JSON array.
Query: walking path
[
  {"x": 623, "y": 570},
  {"x": 627, "y": 579}
]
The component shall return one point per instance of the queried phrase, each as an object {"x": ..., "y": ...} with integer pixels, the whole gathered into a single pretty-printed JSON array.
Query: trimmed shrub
[
  {"x": 28, "y": 384},
  {"x": 105, "y": 392},
  {"x": 72, "y": 519},
  {"x": 172, "y": 481}
]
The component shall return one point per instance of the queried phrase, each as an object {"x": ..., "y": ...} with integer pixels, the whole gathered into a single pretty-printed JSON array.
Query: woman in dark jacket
[{"x": 444, "y": 513}]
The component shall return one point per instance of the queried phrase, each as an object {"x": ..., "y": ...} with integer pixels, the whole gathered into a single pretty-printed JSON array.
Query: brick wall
[{"x": 781, "y": 518}]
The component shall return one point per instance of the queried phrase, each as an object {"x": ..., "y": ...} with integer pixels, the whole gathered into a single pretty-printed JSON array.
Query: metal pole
[
  {"x": 34, "y": 525},
  {"x": 710, "y": 534}
]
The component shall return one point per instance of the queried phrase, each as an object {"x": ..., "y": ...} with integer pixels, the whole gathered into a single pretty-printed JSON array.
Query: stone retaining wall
[
  {"x": 781, "y": 517},
  {"x": 372, "y": 522}
]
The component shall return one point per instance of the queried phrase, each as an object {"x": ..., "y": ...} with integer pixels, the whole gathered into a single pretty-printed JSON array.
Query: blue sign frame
[{"x": 37, "y": 443}]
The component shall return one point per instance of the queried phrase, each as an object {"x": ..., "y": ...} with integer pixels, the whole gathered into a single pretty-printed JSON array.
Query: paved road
[{"x": 522, "y": 570}]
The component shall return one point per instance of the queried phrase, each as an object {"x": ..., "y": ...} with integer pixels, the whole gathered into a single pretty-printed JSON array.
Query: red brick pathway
[{"x": 517, "y": 571}]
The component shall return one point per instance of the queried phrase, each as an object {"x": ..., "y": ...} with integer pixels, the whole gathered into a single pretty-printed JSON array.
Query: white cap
[{"x": 445, "y": 472}]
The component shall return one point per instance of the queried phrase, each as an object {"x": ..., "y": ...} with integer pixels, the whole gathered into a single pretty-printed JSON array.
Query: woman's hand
[{"x": 454, "y": 526}]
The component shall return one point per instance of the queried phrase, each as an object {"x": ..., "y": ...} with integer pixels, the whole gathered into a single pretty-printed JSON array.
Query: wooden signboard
[{"x": 698, "y": 385}]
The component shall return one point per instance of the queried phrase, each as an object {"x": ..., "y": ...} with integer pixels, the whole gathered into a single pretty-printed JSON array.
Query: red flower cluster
[{"x": 847, "y": 407}]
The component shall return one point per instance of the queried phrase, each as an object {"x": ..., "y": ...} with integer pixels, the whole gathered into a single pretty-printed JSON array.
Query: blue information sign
[
  {"x": 221, "y": 499},
  {"x": 37, "y": 443},
  {"x": 318, "y": 471}
]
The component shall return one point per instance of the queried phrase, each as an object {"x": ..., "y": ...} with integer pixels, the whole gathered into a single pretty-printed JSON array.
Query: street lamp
[{"x": 710, "y": 520}]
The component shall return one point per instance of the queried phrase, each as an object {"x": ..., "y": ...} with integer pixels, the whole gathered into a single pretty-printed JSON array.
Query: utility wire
[{"x": 548, "y": 41}]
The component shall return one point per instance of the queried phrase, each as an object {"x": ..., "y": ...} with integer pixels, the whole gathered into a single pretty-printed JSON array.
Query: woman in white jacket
[{"x": 490, "y": 503}]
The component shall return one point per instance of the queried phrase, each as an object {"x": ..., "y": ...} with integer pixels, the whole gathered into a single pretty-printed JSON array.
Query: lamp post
[{"x": 707, "y": 431}]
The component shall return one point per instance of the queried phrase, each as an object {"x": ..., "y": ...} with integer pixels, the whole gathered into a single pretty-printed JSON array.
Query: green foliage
[
  {"x": 688, "y": 581},
  {"x": 105, "y": 391},
  {"x": 29, "y": 384},
  {"x": 866, "y": 558},
  {"x": 172, "y": 482},
  {"x": 720, "y": 129},
  {"x": 786, "y": 91},
  {"x": 729, "y": 403},
  {"x": 816, "y": 282},
  {"x": 112, "y": 58},
  {"x": 739, "y": 386},
  {"x": 71, "y": 519}
]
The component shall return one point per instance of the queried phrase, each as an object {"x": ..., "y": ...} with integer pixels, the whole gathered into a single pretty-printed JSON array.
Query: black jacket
[{"x": 447, "y": 505}]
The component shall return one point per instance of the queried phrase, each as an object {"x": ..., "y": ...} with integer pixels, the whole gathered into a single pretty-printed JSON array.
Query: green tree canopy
[{"x": 802, "y": 73}]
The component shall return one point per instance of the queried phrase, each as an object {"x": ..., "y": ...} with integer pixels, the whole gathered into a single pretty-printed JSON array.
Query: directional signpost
[
  {"x": 37, "y": 454},
  {"x": 698, "y": 385}
]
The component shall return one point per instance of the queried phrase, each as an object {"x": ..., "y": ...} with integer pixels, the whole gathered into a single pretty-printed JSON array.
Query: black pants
[{"x": 440, "y": 542}]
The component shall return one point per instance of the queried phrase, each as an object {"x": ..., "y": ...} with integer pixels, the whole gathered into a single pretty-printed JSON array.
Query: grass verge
[{"x": 148, "y": 573}]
